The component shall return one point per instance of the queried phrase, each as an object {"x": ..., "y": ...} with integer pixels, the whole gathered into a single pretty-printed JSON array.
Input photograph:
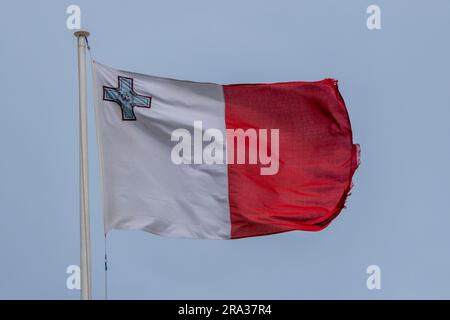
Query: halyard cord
[
  {"x": 106, "y": 270},
  {"x": 106, "y": 254}
]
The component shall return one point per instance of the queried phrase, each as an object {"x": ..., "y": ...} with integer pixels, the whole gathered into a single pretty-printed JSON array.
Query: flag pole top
[{"x": 81, "y": 33}]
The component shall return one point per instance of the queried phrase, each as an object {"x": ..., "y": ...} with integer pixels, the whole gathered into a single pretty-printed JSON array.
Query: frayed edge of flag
[
  {"x": 342, "y": 204},
  {"x": 356, "y": 161}
]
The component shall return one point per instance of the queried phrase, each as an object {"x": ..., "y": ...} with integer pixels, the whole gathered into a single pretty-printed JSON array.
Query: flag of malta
[{"x": 203, "y": 160}]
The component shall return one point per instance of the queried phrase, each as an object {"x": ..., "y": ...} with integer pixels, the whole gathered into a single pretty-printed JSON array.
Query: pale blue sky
[{"x": 396, "y": 83}]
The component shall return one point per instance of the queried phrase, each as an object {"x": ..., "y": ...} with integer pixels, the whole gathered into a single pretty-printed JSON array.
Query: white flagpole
[{"x": 85, "y": 243}]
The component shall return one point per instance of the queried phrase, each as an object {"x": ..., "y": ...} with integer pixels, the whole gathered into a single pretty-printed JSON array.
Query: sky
[{"x": 396, "y": 85}]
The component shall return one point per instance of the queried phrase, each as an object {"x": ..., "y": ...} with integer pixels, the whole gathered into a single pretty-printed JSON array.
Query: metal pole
[{"x": 85, "y": 243}]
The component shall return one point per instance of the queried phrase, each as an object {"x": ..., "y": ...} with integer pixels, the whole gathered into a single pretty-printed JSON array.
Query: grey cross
[{"x": 126, "y": 98}]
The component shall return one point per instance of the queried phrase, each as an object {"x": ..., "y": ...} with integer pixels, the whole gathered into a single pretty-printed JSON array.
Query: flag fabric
[{"x": 203, "y": 160}]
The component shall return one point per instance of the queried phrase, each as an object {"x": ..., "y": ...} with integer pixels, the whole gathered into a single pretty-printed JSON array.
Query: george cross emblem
[{"x": 126, "y": 98}]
